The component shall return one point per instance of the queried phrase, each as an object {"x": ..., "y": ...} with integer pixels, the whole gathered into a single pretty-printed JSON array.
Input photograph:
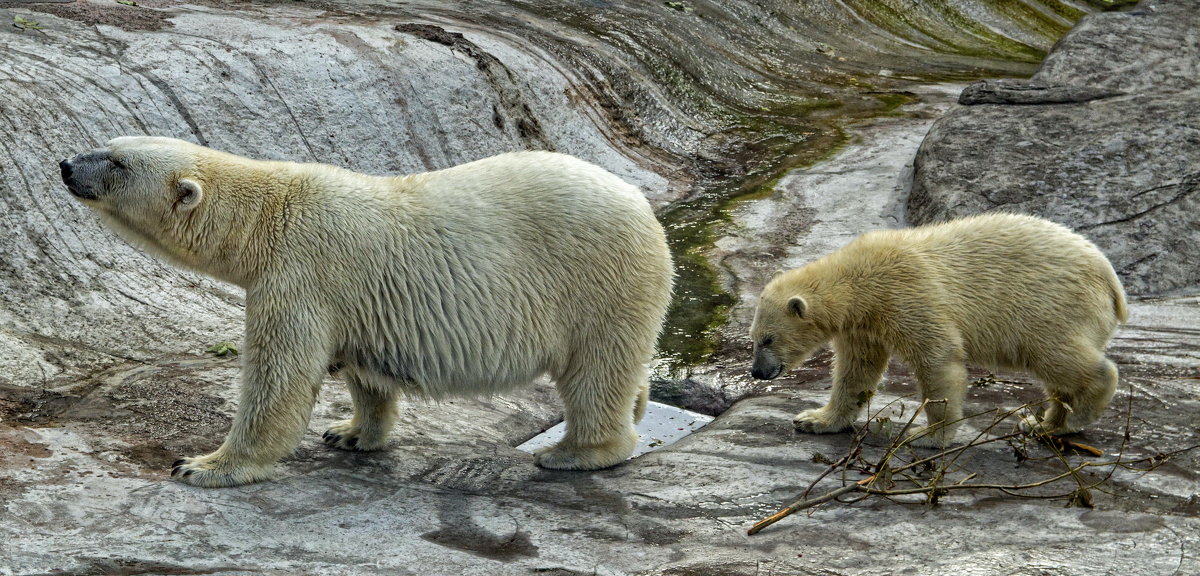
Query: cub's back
[
  {"x": 1008, "y": 250},
  {"x": 1013, "y": 283}
]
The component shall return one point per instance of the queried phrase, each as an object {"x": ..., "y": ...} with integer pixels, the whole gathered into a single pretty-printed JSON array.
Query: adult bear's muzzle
[
  {"x": 68, "y": 176},
  {"x": 78, "y": 171}
]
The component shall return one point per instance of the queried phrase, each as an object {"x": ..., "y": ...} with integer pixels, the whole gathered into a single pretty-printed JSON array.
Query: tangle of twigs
[{"x": 928, "y": 475}]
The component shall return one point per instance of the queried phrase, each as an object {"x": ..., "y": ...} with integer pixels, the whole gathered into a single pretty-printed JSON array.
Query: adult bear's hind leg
[{"x": 599, "y": 408}]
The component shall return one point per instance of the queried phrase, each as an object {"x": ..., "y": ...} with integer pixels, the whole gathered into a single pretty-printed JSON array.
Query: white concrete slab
[{"x": 662, "y": 425}]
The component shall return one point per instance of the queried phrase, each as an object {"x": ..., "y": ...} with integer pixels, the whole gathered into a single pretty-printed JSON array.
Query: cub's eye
[
  {"x": 766, "y": 341},
  {"x": 117, "y": 163}
]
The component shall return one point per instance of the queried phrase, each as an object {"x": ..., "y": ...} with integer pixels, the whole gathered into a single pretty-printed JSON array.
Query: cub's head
[
  {"x": 787, "y": 328},
  {"x": 147, "y": 189}
]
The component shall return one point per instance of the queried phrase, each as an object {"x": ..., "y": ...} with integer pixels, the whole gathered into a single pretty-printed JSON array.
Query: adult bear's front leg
[{"x": 284, "y": 361}]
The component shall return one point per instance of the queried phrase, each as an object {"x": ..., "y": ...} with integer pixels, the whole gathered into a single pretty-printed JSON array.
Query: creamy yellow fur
[
  {"x": 997, "y": 290},
  {"x": 470, "y": 280}
]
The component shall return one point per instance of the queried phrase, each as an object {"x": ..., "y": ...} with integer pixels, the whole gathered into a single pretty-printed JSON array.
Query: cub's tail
[{"x": 1118, "y": 296}]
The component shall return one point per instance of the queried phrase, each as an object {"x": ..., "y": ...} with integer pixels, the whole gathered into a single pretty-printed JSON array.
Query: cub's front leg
[
  {"x": 282, "y": 368},
  {"x": 858, "y": 364}
]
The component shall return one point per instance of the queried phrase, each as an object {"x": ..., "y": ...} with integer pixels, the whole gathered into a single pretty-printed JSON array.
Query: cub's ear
[
  {"x": 189, "y": 193},
  {"x": 798, "y": 306},
  {"x": 776, "y": 274}
]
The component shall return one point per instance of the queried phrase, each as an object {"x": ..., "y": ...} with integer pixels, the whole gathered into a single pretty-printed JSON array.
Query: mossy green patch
[{"x": 701, "y": 303}]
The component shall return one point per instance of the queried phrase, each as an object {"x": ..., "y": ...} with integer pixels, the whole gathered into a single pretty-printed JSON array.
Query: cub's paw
[
  {"x": 562, "y": 456},
  {"x": 216, "y": 471},
  {"x": 1035, "y": 427},
  {"x": 1031, "y": 425},
  {"x": 348, "y": 436},
  {"x": 818, "y": 421},
  {"x": 930, "y": 436}
]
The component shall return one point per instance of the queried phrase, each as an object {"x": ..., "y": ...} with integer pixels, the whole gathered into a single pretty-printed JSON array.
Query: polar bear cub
[
  {"x": 469, "y": 280},
  {"x": 999, "y": 290}
]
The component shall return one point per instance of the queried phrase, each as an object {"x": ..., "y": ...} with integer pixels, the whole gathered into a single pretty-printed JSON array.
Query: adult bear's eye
[{"x": 766, "y": 341}]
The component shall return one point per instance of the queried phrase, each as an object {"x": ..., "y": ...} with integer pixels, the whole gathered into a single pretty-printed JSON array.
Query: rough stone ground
[{"x": 103, "y": 387}]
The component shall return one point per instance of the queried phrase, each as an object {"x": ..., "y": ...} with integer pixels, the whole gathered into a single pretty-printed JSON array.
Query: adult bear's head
[{"x": 157, "y": 194}]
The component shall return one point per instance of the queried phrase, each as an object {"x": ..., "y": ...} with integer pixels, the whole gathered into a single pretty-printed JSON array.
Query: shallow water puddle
[{"x": 662, "y": 425}]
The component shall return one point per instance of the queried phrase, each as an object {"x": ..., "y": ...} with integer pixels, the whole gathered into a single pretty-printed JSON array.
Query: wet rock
[
  {"x": 705, "y": 393},
  {"x": 1103, "y": 139}
]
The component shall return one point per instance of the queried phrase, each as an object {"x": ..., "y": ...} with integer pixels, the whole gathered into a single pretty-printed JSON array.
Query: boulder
[{"x": 1103, "y": 138}]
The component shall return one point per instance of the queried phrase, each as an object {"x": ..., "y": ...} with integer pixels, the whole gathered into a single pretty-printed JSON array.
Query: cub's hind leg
[{"x": 1079, "y": 388}]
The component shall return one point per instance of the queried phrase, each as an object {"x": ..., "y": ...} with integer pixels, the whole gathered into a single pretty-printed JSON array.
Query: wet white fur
[
  {"x": 470, "y": 280},
  {"x": 996, "y": 290}
]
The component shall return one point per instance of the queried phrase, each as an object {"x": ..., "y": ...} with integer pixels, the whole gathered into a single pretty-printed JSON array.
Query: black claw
[
  {"x": 175, "y": 471},
  {"x": 188, "y": 473},
  {"x": 179, "y": 462}
]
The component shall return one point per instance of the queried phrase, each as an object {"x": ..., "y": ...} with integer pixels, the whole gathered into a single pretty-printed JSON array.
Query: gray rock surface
[
  {"x": 1104, "y": 138},
  {"x": 104, "y": 381}
]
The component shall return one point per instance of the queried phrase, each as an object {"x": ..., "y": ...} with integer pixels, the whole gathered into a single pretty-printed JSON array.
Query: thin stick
[
  {"x": 856, "y": 445},
  {"x": 928, "y": 489},
  {"x": 808, "y": 503}
]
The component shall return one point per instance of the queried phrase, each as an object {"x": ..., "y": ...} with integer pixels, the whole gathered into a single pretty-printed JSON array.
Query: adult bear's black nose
[{"x": 73, "y": 185}]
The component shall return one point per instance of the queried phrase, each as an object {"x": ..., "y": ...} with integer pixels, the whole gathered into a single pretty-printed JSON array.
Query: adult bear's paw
[
  {"x": 218, "y": 471},
  {"x": 348, "y": 436},
  {"x": 564, "y": 456}
]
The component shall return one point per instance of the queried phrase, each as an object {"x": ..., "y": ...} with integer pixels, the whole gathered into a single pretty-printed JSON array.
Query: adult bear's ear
[
  {"x": 189, "y": 193},
  {"x": 798, "y": 306}
]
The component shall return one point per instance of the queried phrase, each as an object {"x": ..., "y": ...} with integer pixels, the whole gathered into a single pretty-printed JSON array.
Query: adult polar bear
[{"x": 470, "y": 280}]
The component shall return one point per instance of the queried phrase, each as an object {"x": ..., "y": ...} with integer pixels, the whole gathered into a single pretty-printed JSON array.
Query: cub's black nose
[{"x": 65, "y": 168}]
